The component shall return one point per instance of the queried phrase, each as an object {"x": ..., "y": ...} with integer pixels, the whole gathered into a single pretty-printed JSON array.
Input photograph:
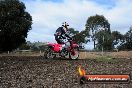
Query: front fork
[
  {"x": 73, "y": 52},
  {"x": 72, "y": 49}
]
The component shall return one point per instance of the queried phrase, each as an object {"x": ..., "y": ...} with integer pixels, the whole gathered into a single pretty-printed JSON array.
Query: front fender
[{"x": 76, "y": 46}]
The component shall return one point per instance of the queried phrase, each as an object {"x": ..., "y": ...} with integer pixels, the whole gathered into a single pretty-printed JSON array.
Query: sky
[{"x": 48, "y": 15}]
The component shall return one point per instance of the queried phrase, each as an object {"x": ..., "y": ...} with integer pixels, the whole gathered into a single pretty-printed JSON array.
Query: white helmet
[{"x": 65, "y": 24}]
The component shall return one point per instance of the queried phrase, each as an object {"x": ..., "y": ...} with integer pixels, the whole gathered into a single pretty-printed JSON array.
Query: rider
[{"x": 61, "y": 34}]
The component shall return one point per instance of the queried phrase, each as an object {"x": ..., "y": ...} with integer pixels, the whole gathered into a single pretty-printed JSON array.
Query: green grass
[{"x": 105, "y": 59}]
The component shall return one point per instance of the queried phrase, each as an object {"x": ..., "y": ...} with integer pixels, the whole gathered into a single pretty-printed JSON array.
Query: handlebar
[{"x": 70, "y": 39}]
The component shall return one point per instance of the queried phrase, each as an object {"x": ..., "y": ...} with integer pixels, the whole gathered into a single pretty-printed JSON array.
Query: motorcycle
[{"x": 55, "y": 50}]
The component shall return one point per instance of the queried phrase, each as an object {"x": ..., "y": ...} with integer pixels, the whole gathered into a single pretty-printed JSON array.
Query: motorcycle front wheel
[{"x": 74, "y": 54}]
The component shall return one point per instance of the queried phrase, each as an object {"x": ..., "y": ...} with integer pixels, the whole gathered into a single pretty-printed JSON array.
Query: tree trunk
[{"x": 94, "y": 45}]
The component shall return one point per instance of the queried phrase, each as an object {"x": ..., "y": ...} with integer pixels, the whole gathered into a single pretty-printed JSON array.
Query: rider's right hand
[{"x": 70, "y": 39}]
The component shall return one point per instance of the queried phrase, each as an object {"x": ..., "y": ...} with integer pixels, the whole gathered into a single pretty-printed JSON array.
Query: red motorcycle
[{"x": 54, "y": 50}]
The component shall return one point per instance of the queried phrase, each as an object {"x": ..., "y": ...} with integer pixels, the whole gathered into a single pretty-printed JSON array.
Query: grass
[{"x": 105, "y": 59}]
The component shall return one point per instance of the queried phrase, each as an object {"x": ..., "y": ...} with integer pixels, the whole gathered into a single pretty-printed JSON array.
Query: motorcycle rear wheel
[{"x": 49, "y": 54}]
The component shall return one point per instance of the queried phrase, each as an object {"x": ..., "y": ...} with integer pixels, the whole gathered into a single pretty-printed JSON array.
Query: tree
[
  {"x": 24, "y": 46},
  {"x": 79, "y": 37},
  {"x": 72, "y": 31},
  {"x": 127, "y": 44},
  {"x": 104, "y": 39},
  {"x": 94, "y": 24},
  {"x": 15, "y": 23},
  {"x": 117, "y": 38}
]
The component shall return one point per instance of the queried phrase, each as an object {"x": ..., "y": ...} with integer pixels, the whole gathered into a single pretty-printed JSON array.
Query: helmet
[{"x": 65, "y": 24}]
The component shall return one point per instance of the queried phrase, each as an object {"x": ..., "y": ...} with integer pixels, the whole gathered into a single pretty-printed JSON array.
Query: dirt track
[{"x": 37, "y": 72}]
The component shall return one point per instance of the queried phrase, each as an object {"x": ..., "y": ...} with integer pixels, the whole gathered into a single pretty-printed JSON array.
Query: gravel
[{"x": 37, "y": 72}]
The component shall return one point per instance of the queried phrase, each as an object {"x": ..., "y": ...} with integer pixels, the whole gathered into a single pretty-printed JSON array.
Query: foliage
[
  {"x": 35, "y": 46},
  {"x": 127, "y": 44},
  {"x": 72, "y": 31},
  {"x": 117, "y": 38},
  {"x": 104, "y": 39},
  {"x": 94, "y": 26},
  {"x": 24, "y": 46},
  {"x": 15, "y": 23},
  {"x": 79, "y": 37}
]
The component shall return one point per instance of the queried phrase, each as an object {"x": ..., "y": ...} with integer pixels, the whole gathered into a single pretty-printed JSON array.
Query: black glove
[{"x": 71, "y": 38}]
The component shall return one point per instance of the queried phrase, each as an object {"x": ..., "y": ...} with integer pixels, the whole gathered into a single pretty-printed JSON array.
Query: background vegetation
[{"x": 15, "y": 24}]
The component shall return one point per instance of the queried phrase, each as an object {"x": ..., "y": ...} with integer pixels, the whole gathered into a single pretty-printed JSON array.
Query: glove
[{"x": 70, "y": 38}]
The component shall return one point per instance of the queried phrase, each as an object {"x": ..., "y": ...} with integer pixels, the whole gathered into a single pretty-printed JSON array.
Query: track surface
[{"x": 37, "y": 72}]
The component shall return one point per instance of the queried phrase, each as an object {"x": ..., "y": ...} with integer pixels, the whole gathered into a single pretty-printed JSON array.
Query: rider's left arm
[{"x": 68, "y": 36}]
